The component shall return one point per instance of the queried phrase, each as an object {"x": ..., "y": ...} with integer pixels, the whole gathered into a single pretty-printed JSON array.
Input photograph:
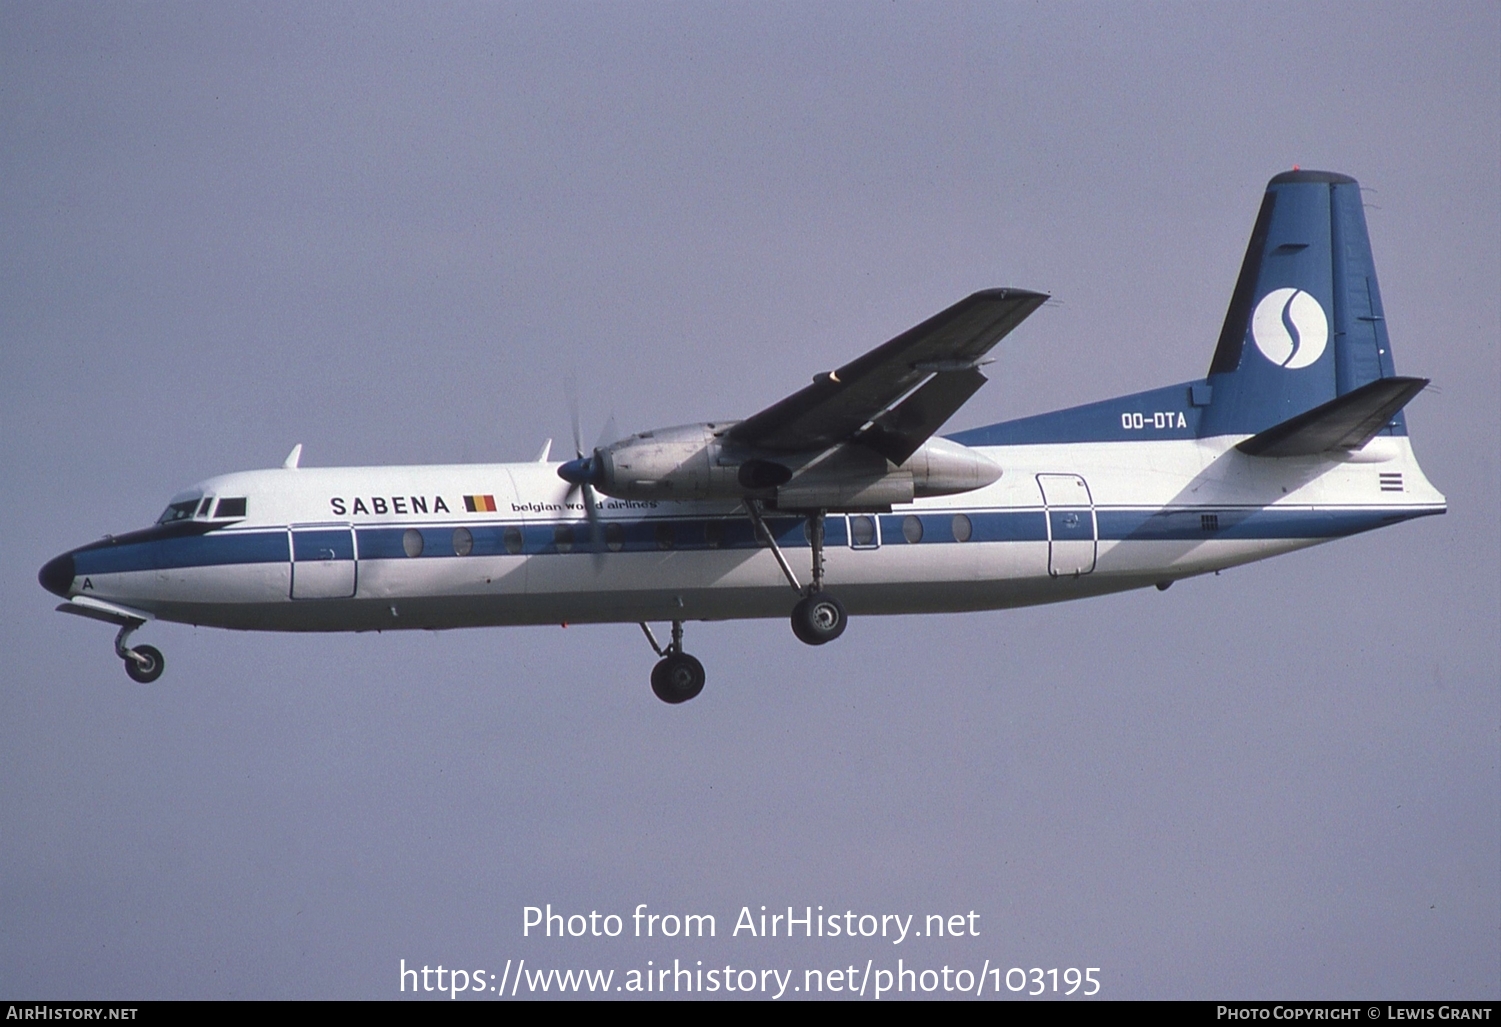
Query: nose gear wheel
[{"x": 145, "y": 664}]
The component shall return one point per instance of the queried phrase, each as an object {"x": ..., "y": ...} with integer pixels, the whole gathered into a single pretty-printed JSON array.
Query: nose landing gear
[
  {"x": 143, "y": 663},
  {"x": 677, "y": 677}
]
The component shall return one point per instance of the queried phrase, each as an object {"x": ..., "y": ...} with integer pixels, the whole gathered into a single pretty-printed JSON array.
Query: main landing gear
[
  {"x": 818, "y": 617},
  {"x": 677, "y": 677},
  {"x": 144, "y": 663}
]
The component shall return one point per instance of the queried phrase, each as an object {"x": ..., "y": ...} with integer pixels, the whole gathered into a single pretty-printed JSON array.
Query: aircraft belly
[
  {"x": 584, "y": 588},
  {"x": 1172, "y": 559},
  {"x": 454, "y": 576},
  {"x": 942, "y": 565},
  {"x": 220, "y": 585},
  {"x": 554, "y": 574}
]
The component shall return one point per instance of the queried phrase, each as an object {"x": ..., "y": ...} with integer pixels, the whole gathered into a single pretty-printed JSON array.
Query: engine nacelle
[
  {"x": 941, "y": 467},
  {"x": 668, "y": 463},
  {"x": 696, "y": 462},
  {"x": 855, "y": 478}
]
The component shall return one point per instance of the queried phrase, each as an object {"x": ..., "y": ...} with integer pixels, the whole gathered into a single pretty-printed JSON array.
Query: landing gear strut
[
  {"x": 144, "y": 663},
  {"x": 818, "y": 617},
  {"x": 677, "y": 677}
]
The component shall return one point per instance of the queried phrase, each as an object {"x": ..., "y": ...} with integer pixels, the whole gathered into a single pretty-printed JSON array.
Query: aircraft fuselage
[{"x": 435, "y": 547}]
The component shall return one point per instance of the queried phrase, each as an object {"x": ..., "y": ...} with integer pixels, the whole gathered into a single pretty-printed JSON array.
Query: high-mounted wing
[{"x": 904, "y": 390}]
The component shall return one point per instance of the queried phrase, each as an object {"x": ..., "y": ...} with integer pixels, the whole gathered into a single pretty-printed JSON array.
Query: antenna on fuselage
[
  {"x": 545, "y": 453},
  {"x": 290, "y": 463}
]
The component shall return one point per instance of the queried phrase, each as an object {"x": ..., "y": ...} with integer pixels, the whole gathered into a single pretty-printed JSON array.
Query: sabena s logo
[{"x": 1290, "y": 328}]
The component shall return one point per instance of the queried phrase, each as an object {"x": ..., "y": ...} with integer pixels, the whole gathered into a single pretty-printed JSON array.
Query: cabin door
[
  {"x": 323, "y": 561},
  {"x": 1072, "y": 530}
]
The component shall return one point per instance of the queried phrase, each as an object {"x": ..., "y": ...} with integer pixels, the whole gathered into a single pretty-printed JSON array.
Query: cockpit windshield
[
  {"x": 188, "y": 506},
  {"x": 180, "y": 511}
]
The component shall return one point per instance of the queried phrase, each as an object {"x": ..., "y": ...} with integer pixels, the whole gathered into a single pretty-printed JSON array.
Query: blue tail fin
[{"x": 1305, "y": 321}]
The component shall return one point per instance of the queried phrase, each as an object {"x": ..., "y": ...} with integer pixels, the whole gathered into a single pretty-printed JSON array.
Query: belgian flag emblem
[{"x": 479, "y": 504}]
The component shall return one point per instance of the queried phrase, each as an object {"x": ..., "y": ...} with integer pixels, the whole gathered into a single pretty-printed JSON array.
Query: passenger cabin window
[
  {"x": 411, "y": 542},
  {"x": 963, "y": 528},
  {"x": 863, "y": 531},
  {"x": 463, "y": 542},
  {"x": 912, "y": 528},
  {"x": 231, "y": 508},
  {"x": 178, "y": 511}
]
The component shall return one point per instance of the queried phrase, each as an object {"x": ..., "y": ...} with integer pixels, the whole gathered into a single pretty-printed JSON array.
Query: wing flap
[
  {"x": 899, "y": 432},
  {"x": 1343, "y": 424},
  {"x": 840, "y": 403}
]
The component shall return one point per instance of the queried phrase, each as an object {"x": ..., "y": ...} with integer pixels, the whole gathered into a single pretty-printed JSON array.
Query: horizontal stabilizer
[{"x": 1343, "y": 424}]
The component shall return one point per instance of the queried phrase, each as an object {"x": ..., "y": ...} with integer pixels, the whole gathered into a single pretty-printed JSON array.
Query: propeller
[{"x": 584, "y": 472}]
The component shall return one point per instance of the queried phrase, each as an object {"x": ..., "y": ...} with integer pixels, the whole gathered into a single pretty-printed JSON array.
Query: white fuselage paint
[{"x": 393, "y": 591}]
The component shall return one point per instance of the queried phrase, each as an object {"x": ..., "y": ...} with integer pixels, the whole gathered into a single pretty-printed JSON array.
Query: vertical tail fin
[{"x": 1305, "y": 322}]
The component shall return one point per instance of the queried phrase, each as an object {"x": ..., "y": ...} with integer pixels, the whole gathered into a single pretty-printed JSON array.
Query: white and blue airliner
[{"x": 839, "y": 499}]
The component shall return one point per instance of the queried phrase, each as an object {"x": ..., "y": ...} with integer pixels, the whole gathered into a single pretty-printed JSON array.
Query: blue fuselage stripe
[
  {"x": 655, "y": 534},
  {"x": 209, "y": 550}
]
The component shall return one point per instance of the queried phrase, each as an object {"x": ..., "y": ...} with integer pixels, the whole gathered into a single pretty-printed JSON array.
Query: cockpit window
[
  {"x": 231, "y": 507},
  {"x": 208, "y": 501},
  {"x": 178, "y": 511}
]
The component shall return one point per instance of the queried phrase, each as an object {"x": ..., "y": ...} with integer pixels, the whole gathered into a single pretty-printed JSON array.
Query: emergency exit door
[{"x": 1073, "y": 533}]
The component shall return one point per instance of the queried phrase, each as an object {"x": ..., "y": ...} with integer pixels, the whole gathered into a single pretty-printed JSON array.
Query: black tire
[
  {"x": 819, "y": 618},
  {"x": 151, "y": 669},
  {"x": 677, "y": 678}
]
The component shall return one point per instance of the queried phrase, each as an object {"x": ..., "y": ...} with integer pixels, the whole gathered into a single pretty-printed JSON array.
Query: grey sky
[{"x": 393, "y": 233}]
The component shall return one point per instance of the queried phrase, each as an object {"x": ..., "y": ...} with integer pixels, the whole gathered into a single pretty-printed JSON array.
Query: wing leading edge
[{"x": 899, "y": 393}]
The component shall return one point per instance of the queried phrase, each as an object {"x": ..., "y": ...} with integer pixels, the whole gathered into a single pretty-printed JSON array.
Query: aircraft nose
[{"x": 56, "y": 575}]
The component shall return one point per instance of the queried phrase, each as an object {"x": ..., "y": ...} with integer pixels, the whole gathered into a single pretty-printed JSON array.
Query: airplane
[{"x": 1296, "y": 436}]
